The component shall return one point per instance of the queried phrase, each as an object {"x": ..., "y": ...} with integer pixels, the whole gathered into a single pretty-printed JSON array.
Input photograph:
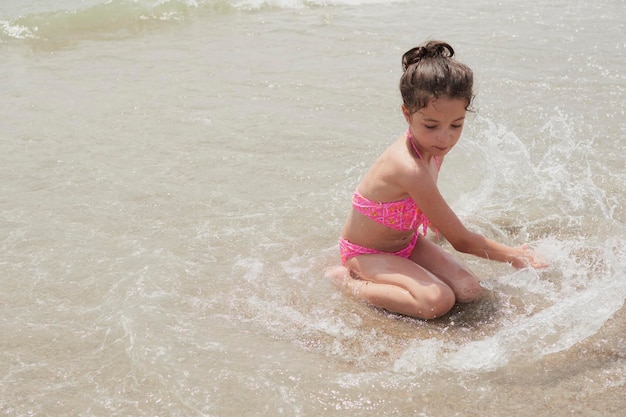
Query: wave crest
[{"x": 119, "y": 18}]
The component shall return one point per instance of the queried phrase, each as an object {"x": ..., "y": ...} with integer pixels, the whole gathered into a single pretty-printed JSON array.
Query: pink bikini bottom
[{"x": 349, "y": 250}]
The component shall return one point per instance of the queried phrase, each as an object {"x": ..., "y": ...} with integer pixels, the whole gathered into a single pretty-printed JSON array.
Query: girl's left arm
[{"x": 433, "y": 205}]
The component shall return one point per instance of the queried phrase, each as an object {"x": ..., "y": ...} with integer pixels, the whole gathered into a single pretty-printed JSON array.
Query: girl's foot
[{"x": 341, "y": 279}]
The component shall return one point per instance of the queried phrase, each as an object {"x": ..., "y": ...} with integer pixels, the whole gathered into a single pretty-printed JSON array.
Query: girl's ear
[{"x": 407, "y": 114}]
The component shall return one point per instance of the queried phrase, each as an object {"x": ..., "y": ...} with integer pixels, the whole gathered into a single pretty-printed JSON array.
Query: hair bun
[{"x": 429, "y": 50}]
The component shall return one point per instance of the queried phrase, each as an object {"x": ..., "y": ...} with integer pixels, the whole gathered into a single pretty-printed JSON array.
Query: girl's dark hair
[{"x": 430, "y": 71}]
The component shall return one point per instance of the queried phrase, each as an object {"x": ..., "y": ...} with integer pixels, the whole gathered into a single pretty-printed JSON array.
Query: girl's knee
[
  {"x": 437, "y": 302},
  {"x": 468, "y": 290}
]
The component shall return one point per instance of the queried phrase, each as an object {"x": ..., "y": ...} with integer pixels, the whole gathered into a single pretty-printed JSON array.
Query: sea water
[{"x": 175, "y": 175}]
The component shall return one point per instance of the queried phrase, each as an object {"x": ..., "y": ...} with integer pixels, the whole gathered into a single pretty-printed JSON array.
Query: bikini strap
[{"x": 409, "y": 136}]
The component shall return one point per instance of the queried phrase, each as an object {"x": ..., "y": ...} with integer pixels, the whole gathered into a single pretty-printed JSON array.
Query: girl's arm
[
  {"x": 426, "y": 195},
  {"x": 518, "y": 257}
]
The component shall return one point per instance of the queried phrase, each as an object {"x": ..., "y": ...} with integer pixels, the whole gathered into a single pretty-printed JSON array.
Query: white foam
[
  {"x": 421, "y": 355},
  {"x": 296, "y": 4},
  {"x": 17, "y": 31}
]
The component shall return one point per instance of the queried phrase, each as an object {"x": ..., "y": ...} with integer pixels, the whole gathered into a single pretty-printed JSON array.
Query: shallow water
[{"x": 175, "y": 175}]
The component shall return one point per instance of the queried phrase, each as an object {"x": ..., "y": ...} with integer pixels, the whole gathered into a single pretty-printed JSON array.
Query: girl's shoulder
[
  {"x": 393, "y": 161},
  {"x": 395, "y": 170},
  {"x": 402, "y": 160}
]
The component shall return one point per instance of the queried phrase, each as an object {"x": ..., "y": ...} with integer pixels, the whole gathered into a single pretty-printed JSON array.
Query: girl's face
[{"x": 438, "y": 126}]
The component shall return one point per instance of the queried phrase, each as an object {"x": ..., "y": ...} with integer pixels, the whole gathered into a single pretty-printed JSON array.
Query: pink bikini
[{"x": 401, "y": 215}]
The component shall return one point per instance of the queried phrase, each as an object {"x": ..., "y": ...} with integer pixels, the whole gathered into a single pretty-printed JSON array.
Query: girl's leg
[
  {"x": 448, "y": 269},
  {"x": 398, "y": 285}
]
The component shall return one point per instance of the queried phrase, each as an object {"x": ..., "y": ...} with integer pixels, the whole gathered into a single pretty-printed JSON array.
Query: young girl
[{"x": 389, "y": 263}]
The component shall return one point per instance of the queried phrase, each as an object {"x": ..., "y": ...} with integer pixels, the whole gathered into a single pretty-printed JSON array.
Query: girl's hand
[{"x": 524, "y": 257}]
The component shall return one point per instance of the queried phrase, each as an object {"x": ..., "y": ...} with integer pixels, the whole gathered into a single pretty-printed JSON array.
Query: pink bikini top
[{"x": 402, "y": 215}]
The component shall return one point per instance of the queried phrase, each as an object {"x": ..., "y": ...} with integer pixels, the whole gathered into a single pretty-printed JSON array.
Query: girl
[{"x": 389, "y": 264}]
